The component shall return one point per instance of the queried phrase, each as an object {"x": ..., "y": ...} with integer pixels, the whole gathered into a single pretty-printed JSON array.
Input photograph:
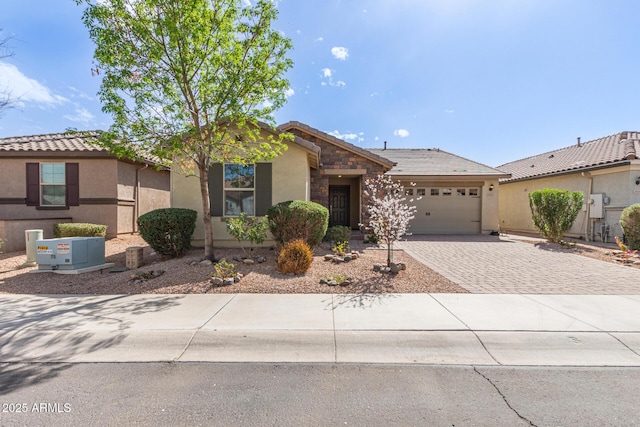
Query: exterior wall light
[{"x": 491, "y": 187}]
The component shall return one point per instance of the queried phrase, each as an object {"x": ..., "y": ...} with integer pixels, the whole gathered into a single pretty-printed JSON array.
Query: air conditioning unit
[{"x": 71, "y": 253}]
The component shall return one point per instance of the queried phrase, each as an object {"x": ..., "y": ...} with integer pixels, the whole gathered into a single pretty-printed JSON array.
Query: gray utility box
[{"x": 71, "y": 253}]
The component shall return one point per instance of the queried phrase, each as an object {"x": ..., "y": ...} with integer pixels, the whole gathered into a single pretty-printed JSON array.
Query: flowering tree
[{"x": 388, "y": 212}]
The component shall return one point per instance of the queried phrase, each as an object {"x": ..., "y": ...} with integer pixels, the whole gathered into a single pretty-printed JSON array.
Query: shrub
[
  {"x": 168, "y": 231},
  {"x": 224, "y": 270},
  {"x": 339, "y": 233},
  {"x": 341, "y": 248},
  {"x": 554, "y": 211},
  {"x": 298, "y": 219},
  {"x": 295, "y": 257},
  {"x": 79, "y": 229},
  {"x": 244, "y": 228},
  {"x": 630, "y": 222},
  {"x": 1, "y": 243}
]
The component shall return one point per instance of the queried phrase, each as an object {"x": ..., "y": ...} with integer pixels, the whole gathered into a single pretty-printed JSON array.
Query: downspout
[
  {"x": 587, "y": 202},
  {"x": 136, "y": 199}
]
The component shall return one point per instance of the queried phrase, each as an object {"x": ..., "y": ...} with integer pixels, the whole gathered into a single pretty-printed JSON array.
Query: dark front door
[{"x": 339, "y": 205}]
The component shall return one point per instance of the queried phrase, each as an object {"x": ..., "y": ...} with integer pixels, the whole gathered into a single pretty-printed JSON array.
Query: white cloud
[
  {"x": 348, "y": 136},
  {"x": 24, "y": 89},
  {"x": 448, "y": 111},
  {"x": 327, "y": 75},
  {"x": 289, "y": 92},
  {"x": 402, "y": 133},
  {"x": 340, "y": 53},
  {"x": 340, "y": 83},
  {"x": 373, "y": 94},
  {"x": 319, "y": 39},
  {"x": 326, "y": 72},
  {"x": 82, "y": 115}
]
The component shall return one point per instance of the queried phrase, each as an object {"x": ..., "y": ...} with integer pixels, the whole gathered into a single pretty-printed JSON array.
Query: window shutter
[
  {"x": 72, "y": 181},
  {"x": 263, "y": 185},
  {"x": 216, "y": 183},
  {"x": 33, "y": 184}
]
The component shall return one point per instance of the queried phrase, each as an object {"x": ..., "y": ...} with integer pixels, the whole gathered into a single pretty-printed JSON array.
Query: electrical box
[
  {"x": 596, "y": 208},
  {"x": 71, "y": 253}
]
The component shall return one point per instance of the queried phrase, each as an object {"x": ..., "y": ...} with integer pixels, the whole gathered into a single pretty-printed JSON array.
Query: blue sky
[{"x": 489, "y": 80}]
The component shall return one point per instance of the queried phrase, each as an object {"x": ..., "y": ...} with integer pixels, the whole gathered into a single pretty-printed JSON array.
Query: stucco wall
[
  {"x": 617, "y": 184},
  {"x": 290, "y": 178},
  {"x": 105, "y": 184}
]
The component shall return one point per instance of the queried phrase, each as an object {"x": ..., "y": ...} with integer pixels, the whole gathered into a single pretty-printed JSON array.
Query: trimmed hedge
[
  {"x": 630, "y": 222},
  {"x": 298, "y": 219},
  {"x": 168, "y": 231},
  {"x": 339, "y": 233},
  {"x": 79, "y": 229}
]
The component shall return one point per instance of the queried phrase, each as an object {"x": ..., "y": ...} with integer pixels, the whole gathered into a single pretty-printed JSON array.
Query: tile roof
[
  {"x": 433, "y": 162},
  {"x": 603, "y": 152},
  {"x": 336, "y": 141},
  {"x": 49, "y": 142}
]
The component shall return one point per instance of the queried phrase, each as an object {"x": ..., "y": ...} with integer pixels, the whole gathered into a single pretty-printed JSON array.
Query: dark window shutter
[
  {"x": 216, "y": 202},
  {"x": 33, "y": 184},
  {"x": 263, "y": 183},
  {"x": 72, "y": 181}
]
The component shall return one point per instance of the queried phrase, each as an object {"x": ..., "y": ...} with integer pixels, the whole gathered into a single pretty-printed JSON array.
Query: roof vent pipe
[
  {"x": 385, "y": 145},
  {"x": 579, "y": 142}
]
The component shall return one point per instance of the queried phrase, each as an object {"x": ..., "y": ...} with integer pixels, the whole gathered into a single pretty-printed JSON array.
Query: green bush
[
  {"x": 554, "y": 211},
  {"x": 79, "y": 229},
  {"x": 339, "y": 233},
  {"x": 1, "y": 243},
  {"x": 224, "y": 270},
  {"x": 295, "y": 257},
  {"x": 244, "y": 228},
  {"x": 630, "y": 222},
  {"x": 298, "y": 219},
  {"x": 168, "y": 231}
]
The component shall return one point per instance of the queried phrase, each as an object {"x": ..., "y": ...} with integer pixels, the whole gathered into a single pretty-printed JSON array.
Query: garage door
[{"x": 446, "y": 210}]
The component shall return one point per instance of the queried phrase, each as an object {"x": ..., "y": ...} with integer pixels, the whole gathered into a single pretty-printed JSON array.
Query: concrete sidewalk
[{"x": 467, "y": 329}]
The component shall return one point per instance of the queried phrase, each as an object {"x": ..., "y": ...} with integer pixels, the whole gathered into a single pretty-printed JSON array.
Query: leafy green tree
[
  {"x": 189, "y": 80},
  {"x": 554, "y": 211}
]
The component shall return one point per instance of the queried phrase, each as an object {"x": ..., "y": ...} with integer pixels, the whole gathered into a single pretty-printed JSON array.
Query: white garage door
[{"x": 446, "y": 210}]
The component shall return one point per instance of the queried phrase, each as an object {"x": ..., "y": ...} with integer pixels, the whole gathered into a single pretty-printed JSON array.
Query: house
[
  {"x": 605, "y": 170},
  {"x": 458, "y": 195},
  {"x": 54, "y": 178}
]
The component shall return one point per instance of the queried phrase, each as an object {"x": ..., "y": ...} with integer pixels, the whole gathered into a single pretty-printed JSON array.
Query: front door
[{"x": 339, "y": 205}]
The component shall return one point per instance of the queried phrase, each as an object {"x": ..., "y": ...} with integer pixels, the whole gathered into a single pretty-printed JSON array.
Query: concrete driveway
[{"x": 500, "y": 265}]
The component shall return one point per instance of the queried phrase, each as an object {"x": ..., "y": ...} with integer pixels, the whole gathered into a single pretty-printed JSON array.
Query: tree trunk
[{"x": 206, "y": 215}]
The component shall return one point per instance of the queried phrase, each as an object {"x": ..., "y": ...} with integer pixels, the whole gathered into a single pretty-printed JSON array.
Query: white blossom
[{"x": 388, "y": 213}]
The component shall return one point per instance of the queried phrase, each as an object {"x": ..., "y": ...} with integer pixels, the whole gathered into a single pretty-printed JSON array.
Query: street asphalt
[{"x": 447, "y": 329}]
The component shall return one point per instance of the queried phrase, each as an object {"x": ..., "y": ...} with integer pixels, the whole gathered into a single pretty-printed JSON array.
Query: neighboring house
[
  {"x": 605, "y": 170},
  {"x": 53, "y": 178},
  {"x": 460, "y": 196}
]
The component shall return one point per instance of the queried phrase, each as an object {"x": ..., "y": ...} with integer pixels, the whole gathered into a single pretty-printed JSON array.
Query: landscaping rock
[
  {"x": 338, "y": 260},
  {"x": 345, "y": 283},
  {"x": 385, "y": 270},
  {"x": 323, "y": 281},
  {"x": 205, "y": 262},
  {"x": 261, "y": 259},
  {"x": 377, "y": 267},
  {"x": 228, "y": 282},
  {"x": 217, "y": 281},
  {"x": 248, "y": 261},
  {"x": 355, "y": 255},
  {"x": 237, "y": 258},
  {"x": 394, "y": 269},
  {"x": 236, "y": 279},
  {"x": 347, "y": 258},
  {"x": 332, "y": 283},
  {"x": 328, "y": 257}
]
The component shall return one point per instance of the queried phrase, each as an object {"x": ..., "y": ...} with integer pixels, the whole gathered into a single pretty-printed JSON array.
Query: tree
[
  {"x": 6, "y": 100},
  {"x": 387, "y": 210},
  {"x": 554, "y": 211},
  {"x": 189, "y": 80}
]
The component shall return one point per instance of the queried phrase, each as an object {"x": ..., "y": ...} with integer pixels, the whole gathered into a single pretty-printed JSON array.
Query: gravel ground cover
[{"x": 181, "y": 277}]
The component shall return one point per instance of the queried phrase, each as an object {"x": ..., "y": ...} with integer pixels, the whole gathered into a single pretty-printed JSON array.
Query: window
[
  {"x": 435, "y": 191},
  {"x": 408, "y": 192},
  {"x": 52, "y": 184},
  {"x": 461, "y": 191},
  {"x": 473, "y": 191},
  {"x": 446, "y": 191},
  {"x": 421, "y": 192},
  {"x": 239, "y": 189}
]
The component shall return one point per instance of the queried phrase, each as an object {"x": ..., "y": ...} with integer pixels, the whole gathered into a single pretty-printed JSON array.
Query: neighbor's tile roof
[
  {"x": 49, "y": 142},
  {"x": 433, "y": 162},
  {"x": 602, "y": 152},
  {"x": 58, "y": 143}
]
